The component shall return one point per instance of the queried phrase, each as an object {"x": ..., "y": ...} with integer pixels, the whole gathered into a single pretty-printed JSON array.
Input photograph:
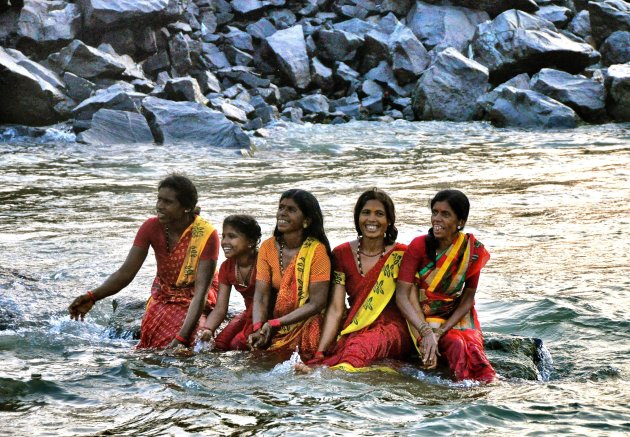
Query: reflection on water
[{"x": 552, "y": 207}]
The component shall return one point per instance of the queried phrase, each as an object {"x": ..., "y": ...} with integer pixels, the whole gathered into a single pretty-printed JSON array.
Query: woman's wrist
[
  {"x": 257, "y": 326},
  {"x": 319, "y": 355},
  {"x": 274, "y": 323},
  {"x": 183, "y": 340},
  {"x": 91, "y": 295}
]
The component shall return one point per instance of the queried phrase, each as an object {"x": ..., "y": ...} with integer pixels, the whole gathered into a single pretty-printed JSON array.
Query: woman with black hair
[
  {"x": 293, "y": 270},
  {"x": 186, "y": 249},
  {"x": 444, "y": 266},
  {"x": 365, "y": 270}
]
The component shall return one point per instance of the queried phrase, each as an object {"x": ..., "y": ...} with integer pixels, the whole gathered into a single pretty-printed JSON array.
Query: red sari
[
  {"x": 234, "y": 335},
  {"x": 385, "y": 337},
  {"x": 441, "y": 285},
  {"x": 168, "y": 305}
]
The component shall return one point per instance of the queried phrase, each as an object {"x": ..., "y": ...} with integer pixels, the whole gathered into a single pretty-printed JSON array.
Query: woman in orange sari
[
  {"x": 186, "y": 251},
  {"x": 366, "y": 269},
  {"x": 445, "y": 266},
  {"x": 293, "y": 269}
]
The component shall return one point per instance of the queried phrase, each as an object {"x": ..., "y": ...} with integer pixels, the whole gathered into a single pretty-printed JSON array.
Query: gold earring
[{"x": 305, "y": 225}]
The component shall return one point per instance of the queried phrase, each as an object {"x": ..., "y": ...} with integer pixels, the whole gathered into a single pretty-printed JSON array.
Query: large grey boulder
[
  {"x": 525, "y": 108},
  {"x": 115, "y": 97},
  {"x": 48, "y": 26},
  {"x": 88, "y": 62},
  {"x": 517, "y": 42},
  {"x": 618, "y": 86},
  {"x": 493, "y": 7},
  {"x": 580, "y": 25},
  {"x": 116, "y": 127},
  {"x": 560, "y": 16},
  {"x": 449, "y": 88},
  {"x": 585, "y": 96},
  {"x": 184, "y": 89},
  {"x": 25, "y": 97},
  {"x": 289, "y": 49},
  {"x": 616, "y": 48},
  {"x": 337, "y": 45},
  {"x": 608, "y": 16},
  {"x": 115, "y": 14},
  {"x": 444, "y": 25},
  {"x": 409, "y": 57},
  {"x": 189, "y": 122}
]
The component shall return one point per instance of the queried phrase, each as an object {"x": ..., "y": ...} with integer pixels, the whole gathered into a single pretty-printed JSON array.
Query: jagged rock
[
  {"x": 409, "y": 57},
  {"x": 184, "y": 89},
  {"x": 234, "y": 113},
  {"x": 208, "y": 82},
  {"x": 356, "y": 26},
  {"x": 78, "y": 88},
  {"x": 373, "y": 104},
  {"x": 314, "y": 104},
  {"x": 580, "y": 25},
  {"x": 486, "y": 101},
  {"x": 494, "y": 7},
  {"x": 346, "y": 77},
  {"x": 337, "y": 45},
  {"x": 115, "y": 14},
  {"x": 585, "y": 96},
  {"x": 88, "y": 62},
  {"x": 608, "y": 16},
  {"x": 398, "y": 7},
  {"x": 558, "y": 15},
  {"x": 261, "y": 29},
  {"x": 26, "y": 98},
  {"x": 383, "y": 74},
  {"x": 516, "y": 357},
  {"x": 371, "y": 88},
  {"x": 244, "y": 75},
  {"x": 157, "y": 63},
  {"x": 526, "y": 108},
  {"x": 179, "y": 52},
  {"x": 282, "y": 18},
  {"x": 121, "y": 40},
  {"x": 238, "y": 57},
  {"x": 516, "y": 42},
  {"x": 448, "y": 25},
  {"x": 289, "y": 49},
  {"x": 434, "y": 97},
  {"x": 37, "y": 69},
  {"x": 214, "y": 56},
  {"x": 116, "y": 127},
  {"x": 44, "y": 27},
  {"x": 239, "y": 39},
  {"x": 189, "y": 122},
  {"x": 374, "y": 50},
  {"x": 618, "y": 86},
  {"x": 322, "y": 76},
  {"x": 616, "y": 48},
  {"x": 246, "y": 7},
  {"x": 114, "y": 97}
]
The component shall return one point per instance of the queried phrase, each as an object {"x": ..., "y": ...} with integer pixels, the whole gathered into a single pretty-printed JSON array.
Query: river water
[{"x": 552, "y": 207}]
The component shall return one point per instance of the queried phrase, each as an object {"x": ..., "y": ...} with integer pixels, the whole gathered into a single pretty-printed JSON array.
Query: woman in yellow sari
[
  {"x": 186, "y": 251},
  {"x": 292, "y": 278},
  {"x": 444, "y": 266}
]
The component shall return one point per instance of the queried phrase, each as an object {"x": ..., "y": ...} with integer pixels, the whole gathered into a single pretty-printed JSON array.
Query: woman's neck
[
  {"x": 246, "y": 260},
  {"x": 372, "y": 245},
  {"x": 292, "y": 240},
  {"x": 180, "y": 226}
]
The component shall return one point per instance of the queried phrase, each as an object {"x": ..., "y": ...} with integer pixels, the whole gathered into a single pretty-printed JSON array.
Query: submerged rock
[
  {"x": 116, "y": 127},
  {"x": 518, "y": 357}
]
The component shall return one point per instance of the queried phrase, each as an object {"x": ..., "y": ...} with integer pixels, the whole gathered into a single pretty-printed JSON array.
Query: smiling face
[
  {"x": 373, "y": 219},
  {"x": 289, "y": 216},
  {"x": 234, "y": 243},
  {"x": 444, "y": 221},
  {"x": 168, "y": 207}
]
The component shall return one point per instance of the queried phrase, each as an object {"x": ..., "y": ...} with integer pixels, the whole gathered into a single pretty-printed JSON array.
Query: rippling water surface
[{"x": 553, "y": 208}]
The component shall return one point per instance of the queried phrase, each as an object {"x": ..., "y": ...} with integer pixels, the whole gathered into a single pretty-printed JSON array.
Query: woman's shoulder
[
  {"x": 343, "y": 247},
  {"x": 400, "y": 246}
]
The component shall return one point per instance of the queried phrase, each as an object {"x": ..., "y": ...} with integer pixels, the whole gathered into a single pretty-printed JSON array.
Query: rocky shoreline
[{"x": 216, "y": 72}]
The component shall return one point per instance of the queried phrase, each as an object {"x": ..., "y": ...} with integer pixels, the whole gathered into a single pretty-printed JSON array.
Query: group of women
[{"x": 404, "y": 301}]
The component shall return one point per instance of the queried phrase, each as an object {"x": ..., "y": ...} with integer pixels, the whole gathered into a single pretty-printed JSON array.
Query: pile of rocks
[{"x": 214, "y": 71}]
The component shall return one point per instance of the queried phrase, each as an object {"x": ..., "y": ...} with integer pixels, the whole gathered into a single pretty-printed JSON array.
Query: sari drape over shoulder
[
  {"x": 174, "y": 286},
  {"x": 441, "y": 285},
  {"x": 311, "y": 264},
  {"x": 373, "y": 328}
]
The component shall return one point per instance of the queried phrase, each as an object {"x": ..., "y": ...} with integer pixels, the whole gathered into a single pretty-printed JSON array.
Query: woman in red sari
[
  {"x": 445, "y": 266},
  {"x": 293, "y": 269},
  {"x": 240, "y": 238},
  {"x": 365, "y": 270},
  {"x": 186, "y": 250}
]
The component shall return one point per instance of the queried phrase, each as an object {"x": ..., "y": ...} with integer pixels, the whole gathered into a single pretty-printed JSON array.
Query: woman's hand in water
[
  {"x": 205, "y": 334},
  {"x": 80, "y": 307}
]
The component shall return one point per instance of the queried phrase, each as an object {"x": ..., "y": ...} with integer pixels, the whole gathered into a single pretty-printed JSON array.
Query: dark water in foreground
[{"x": 552, "y": 207}]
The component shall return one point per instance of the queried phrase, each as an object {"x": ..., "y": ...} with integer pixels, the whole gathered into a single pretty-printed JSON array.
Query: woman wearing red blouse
[{"x": 186, "y": 250}]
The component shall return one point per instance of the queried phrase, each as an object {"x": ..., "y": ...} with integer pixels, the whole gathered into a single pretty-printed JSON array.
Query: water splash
[
  {"x": 287, "y": 366},
  {"x": 544, "y": 361}
]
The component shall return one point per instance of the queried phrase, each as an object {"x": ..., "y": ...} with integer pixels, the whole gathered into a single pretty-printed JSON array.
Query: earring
[
  {"x": 305, "y": 225},
  {"x": 459, "y": 228}
]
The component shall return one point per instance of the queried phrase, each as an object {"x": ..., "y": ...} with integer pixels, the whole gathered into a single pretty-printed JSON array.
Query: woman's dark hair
[
  {"x": 390, "y": 211},
  {"x": 246, "y": 225},
  {"x": 185, "y": 190},
  {"x": 460, "y": 205},
  {"x": 309, "y": 206}
]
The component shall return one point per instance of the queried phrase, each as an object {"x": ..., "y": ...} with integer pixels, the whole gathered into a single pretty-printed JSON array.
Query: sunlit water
[{"x": 553, "y": 208}]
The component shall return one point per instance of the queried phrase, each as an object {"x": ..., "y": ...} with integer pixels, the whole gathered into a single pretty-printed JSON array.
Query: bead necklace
[
  {"x": 168, "y": 233},
  {"x": 281, "y": 257},
  {"x": 359, "y": 253},
  {"x": 239, "y": 279}
]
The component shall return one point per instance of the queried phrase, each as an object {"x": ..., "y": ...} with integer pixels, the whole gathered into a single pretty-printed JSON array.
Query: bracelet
[
  {"x": 274, "y": 323},
  {"x": 440, "y": 331},
  {"x": 256, "y": 326},
  {"x": 91, "y": 296},
  {"x": 319, "y": 355},
  {"x": 181, "y": 339}
]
